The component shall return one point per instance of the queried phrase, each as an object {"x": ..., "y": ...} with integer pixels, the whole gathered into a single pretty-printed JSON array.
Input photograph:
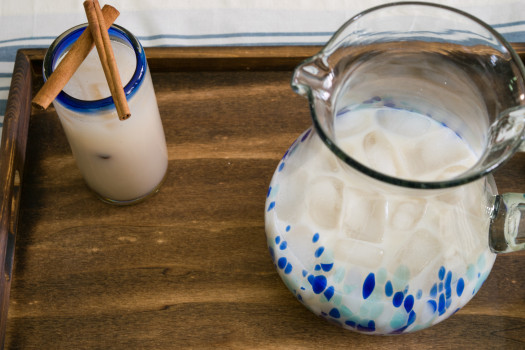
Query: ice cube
[
  {"x": 380, "y": 154},
  {"x": 402, "y": 122},
  {"x": 364, "y": 216},
  {"x": 353, "y": 122},
  {"x": 298, "y": 239},
  {"x": 438, "y": 150},
  {"x": 465, "y": 233},
  {"x": 349, "y": 251},
  {"x": 326, "y": 161},
  {"x": 420, "y": 249},
  {"x": 290, "y": 198},
  {"x": 324, "y": 199},
  {"x": 405, "y": 215}
]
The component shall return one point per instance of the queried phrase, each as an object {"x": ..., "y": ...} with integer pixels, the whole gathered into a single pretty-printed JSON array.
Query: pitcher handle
[{"x": 507, "y": 226}]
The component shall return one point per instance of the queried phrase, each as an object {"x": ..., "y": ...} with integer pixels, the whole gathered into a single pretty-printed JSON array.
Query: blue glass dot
[
  {"x": 299, "y": 297},
  {"x": 409, "y": 303},
  {"x": 288, "y": 228},
  {"x": 440, "y": 288},
  {"x": 398, "y": 299},
  {"x": 405, "y": 291},
  {"x": 370, "y": 327},
  {"x": 306, "y": 135},
  {"x": 441, "y": 305},
  {"x": 315, "y": 238},
  {"x": 277, "y": 239},
  {"x": 271, "y": 206},
  {"x": 433, "y": 305},
  {"x": 335, "y": 313},
  {"x": 448, "y": 302},
  {"x": 419, "y": 294},
  {"x": 389, "y": 290},
  {"x": 269, "y": 191},
  {"x": 448, "y": 279},
  {"x": 400, "y": 330},
  {"x": 282, "y": 262},
  {"x": 460, "y": 287},
  {"x": 281, "y": 166},
  {"x": 411, "y": 318},
  {"x": 305, "y": 273},
  {"x": 283, "y": 245},
  {"x": 318, "y": 283},
  {"x": 329, "y": 293},
  {"x": 317, "y": 267},
  {"x": 448, "y": 293},
  {"x": 369, "y": 285},
  {"x": 272, "y": 254},
  {"x": 288, "y": 268},
  {"x": 327, "y": 267},
  {"x": 350, "y": 323},
  {"x": 441, "y": 273},
  {"x": 302, "y": 288},
  {"x": 319, "y": 252},
  {"x": 433, "y": 291}
]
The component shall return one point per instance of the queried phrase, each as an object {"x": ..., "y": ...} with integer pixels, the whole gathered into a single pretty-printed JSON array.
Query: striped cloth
[{"x": 35, "y": 23}]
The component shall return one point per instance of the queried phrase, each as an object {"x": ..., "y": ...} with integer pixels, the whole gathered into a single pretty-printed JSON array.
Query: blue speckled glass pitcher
[{"x": 383, "y": 217}]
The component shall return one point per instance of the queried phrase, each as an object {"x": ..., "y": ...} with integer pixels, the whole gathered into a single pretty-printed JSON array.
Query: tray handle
[{"x": 12, "y": 159}]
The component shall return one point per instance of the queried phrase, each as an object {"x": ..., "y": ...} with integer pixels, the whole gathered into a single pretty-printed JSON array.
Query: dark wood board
[{"x": 189, "y": 267}]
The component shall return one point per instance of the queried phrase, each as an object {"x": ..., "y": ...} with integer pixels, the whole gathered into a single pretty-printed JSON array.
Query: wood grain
[{"x": 189, "y": 267}]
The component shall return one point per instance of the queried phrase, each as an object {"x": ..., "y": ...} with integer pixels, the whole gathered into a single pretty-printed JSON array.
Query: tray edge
[{"x": 12, "y": 159}]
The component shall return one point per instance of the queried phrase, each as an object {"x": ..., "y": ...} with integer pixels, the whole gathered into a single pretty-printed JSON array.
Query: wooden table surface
[{"x": 189, "y": 267}]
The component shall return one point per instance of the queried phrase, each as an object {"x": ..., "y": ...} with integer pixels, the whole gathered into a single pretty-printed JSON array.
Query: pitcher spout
[{"x": 313, "y": 78}]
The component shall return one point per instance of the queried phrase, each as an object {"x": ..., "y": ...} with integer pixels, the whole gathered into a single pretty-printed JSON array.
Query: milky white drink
[
  {"x": 375, "y": 257},
  {"x": 122, "y": 161}
]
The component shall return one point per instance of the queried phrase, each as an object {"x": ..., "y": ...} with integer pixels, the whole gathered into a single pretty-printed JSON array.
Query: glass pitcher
[{"x": 383, "y": 217}]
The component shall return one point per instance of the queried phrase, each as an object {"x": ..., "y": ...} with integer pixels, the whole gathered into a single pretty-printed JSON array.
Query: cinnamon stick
[
  {"x": 70, "y": 63},
  {"x": 109, "y": 65}
]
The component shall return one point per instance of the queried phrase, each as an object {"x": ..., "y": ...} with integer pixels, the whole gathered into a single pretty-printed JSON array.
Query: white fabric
[{"x": 35, "y": 23}]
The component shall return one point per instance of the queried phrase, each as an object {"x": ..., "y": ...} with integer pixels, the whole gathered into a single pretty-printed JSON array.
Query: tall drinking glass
[{"x": 125, "y": 161}]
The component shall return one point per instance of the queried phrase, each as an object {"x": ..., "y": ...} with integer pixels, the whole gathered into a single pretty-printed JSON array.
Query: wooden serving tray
[{"x": 189, "y": 267}]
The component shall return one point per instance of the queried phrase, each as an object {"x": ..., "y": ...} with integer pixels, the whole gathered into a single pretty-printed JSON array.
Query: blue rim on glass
[{"x": 63, "y": 42}]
